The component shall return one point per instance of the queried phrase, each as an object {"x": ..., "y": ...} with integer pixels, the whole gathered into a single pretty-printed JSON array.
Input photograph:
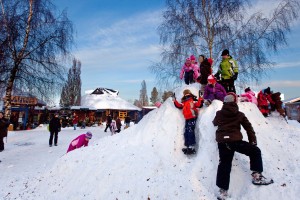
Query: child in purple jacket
[
  {"x": 213, "y": 91},
  {"x": 81, "y": 140}
]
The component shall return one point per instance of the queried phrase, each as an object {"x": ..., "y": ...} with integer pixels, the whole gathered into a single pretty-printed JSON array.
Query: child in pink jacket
[
  {"x": 249, "y": 96},
  {"x": 189, "y": 72},
  {"x": 81, "y": 140}
]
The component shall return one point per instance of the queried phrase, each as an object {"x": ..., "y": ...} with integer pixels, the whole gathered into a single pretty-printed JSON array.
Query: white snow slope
[{"x": 146, "y": 161}]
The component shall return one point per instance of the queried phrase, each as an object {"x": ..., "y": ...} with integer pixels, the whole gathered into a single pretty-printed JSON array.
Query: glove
[
  {"x": 217, "y": 75},
  {"x": 234, "y": 77},
  {"x": 181, "y": 77}
]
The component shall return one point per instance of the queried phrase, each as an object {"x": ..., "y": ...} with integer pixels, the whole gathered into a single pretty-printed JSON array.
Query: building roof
[
  {"x": 292, "y": 100},
  {"x": 103, "y": 98}
]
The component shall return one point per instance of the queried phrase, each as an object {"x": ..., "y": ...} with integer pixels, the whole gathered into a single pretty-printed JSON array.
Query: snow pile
[{"x": 146, "y": 161}]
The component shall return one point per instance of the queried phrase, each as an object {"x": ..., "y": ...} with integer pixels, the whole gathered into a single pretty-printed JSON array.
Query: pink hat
[
  {"x": 188, "y": 60},
  {"x": 193, "y": 57}
]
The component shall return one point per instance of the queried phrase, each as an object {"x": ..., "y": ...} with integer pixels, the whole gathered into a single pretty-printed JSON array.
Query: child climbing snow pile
[{"x": 190, "y": 113}]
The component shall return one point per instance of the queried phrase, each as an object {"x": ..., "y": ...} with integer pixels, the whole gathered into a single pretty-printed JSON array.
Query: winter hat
[
  {"x": 247, "y": 89},
  {"x": 225, "y": 52},
  {"x": 230, "y": 97},
  {"x": 211, "y": 79},
  {"x": 188, "y": 60},
  {"x": 186, "y": 91},
  {"x": 210, "y": 61},
  {"x": 267, "y": 90},
  {"x": 89, "y": 135},
  {"x": 193, "y": 57}
]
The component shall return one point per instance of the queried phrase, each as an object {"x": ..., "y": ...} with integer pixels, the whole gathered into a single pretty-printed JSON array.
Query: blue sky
[{"x": 116, "y": 41}]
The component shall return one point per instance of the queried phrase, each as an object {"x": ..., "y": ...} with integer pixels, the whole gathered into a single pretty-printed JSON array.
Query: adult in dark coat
[
  {"x": 205, "y": 71},
  {"x": 119, "y": 124},
  {"x": 108, "y": 122},
  {"x": 3, "y": 130},
  {"x": 229, "y": 137},
  {"x": 54, "y": 128}
]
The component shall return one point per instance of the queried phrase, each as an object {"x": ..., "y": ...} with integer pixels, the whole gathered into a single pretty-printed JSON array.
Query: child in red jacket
[{"x": 190, "y": 113}]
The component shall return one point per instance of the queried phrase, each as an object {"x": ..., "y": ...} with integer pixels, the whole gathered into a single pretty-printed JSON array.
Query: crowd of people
[{"x": 221, "y": 86}]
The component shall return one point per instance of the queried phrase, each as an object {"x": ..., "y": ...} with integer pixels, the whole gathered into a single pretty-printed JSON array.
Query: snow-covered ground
[{"x": 145, "y": 161}]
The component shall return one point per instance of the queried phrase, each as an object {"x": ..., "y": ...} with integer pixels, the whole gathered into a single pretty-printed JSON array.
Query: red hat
[
  {"x": 193, "y": 57},
  {"x": 210, "y": 61},
  {"x": 211, "y": 79}
]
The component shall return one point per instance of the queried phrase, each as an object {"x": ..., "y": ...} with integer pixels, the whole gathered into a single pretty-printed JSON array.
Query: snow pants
[
  {"x": 189, "y": 77},
  {"x": 189, "y": 132},
  {"x": 228, "y": 85},
  {"x": 55, "y": 134},
  {"x": 226, "y": 152},
  {"x": 1, "y": 143}
]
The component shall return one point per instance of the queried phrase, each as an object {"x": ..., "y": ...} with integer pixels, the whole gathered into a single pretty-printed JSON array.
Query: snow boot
[
  {"x": 259, "y": 179},
  {"x": 184, "y": 150},
  {"x": 191, "y": 150},
  {"x": 223, "y": 194}
]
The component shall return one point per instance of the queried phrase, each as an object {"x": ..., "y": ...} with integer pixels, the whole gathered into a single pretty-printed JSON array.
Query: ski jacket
[
  {"x": 78, "y": 142},
  {"x": 205, "y": 71},
  {"x": 75, "y": 120},
  {"x": 186, "y": 68},
  {"x": 113, "y": 125},
  {"x": 228, "y": 67},
  {"x": 213, "y": 92},
  {"x": 264, "y": 99},
  {"x": 54, "y": 125},
  {"x": 3, "y": 127},
  {"x": 188, "y": 106},
  {"x": 118, "y": 123},
  {"x": 229, "y": 120},
  {"x": 250, "y": 96}
]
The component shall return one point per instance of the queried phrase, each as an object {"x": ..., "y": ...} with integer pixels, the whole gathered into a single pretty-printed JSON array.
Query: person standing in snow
[
  {"x": 127, "y": 121},
  {"x": 229, "y": 137},
  {"x": 75, "y": 121},
  {"x": 190, "y": 113},
  {"x": 213, "y": 91},
  {"x": 119, "y": 124},
  {"x": 188, "y": 72},
  {"x": 108, "y": 122},
  {"x": 263, "y": 99},
  {"x": 81, "y": 140},
  {"x": 4, "y": 123},
  {"x": 249, "y": 96},
  {"x": 54, "y": 128},
  {"x": 205, "y": 71},
  {"x": 113, "y": 127},
  {"x": 228, "y": 70}
]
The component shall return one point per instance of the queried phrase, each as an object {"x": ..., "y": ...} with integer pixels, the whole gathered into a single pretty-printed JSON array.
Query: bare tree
[
  {"x": 210, "y": 26},
  {"x": 166, "y": 95},
  {"x": 71, "y": 91},
  {"x": 36, "y": 38}
]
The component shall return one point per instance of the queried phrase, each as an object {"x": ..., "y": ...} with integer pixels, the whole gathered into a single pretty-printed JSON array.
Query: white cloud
[
  {"x": 284, "y": 84},
  {"x": 287, "y": 64}
]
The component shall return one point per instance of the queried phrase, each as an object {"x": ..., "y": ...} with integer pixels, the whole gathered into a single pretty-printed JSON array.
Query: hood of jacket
[{"x": 230, "y": 109}]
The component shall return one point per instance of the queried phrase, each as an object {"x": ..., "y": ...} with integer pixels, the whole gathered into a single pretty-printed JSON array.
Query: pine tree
[
  {"x": 143, "y": 94},
  {"x": 71, "y": 91},
  {"x": 154, "y": 96}
]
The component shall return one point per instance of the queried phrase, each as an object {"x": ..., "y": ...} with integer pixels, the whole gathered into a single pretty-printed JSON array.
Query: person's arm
[
  {"x": 216, "y": 119},
  {"x": 181, "y": 72},
  {"x": 177, "y": 104},
  {"x": 199, "y": 103},
  {"x": 249, "y": 129}
]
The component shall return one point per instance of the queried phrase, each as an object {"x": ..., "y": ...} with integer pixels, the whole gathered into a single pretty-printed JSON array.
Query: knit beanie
[
  {"x": 89, "y": 135},
  {"x": 247, "y": 89},
  {"x": 211, "y": 79},
  {"x": 193, "y": 57},
  {"x": 225, "y": 52},
  {"x": 230, "y": 97}
]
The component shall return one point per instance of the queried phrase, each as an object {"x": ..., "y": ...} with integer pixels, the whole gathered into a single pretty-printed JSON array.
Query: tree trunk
[{"x": 8, "y": 91}]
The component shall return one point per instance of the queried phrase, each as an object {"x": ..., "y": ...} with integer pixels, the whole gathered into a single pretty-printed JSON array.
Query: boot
[
  {"x": 223, "y": 194},
  {"x": 259, "y": 179}
]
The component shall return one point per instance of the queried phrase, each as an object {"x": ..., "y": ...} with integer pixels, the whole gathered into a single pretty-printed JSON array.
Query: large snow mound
[{"x": 146, "y": 161}]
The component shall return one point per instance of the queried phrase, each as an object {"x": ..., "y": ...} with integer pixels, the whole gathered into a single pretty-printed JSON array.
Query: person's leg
[
  {"x": 1, "y": 144},
  {"x": 224, "y": 168},
  {"x": 253, "y": 152},
  {"x": 231, "y": 85},
  {"x": 189, "y": 133},
  {"x": 224, "y": 83},
  {"x": 186, "y": 78},
  {"x": 55, "y": 138},
  {"x": 51, "y": 138}
]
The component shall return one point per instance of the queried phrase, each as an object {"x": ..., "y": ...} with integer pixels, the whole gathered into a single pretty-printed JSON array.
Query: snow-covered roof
[
  {"x": 293, "y": 100},
  {"x": 149, "y": 107},
  {"x": 103, "y": 98},
  {"x": 82, "y": 108}
]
